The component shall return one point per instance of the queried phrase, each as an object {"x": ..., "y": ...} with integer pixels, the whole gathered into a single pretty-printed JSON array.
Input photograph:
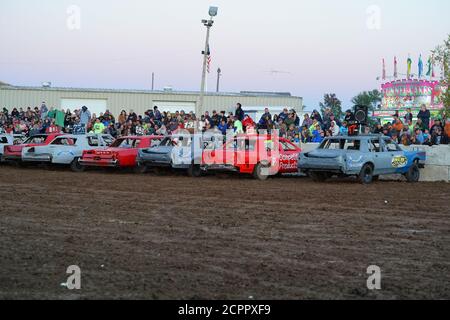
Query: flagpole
[{"x": 208, "y": 24}]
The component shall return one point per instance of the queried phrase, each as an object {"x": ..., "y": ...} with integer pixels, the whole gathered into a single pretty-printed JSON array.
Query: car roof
[
  {"x": 141, "y": 137},
  {"x": 360, "y": 137}
]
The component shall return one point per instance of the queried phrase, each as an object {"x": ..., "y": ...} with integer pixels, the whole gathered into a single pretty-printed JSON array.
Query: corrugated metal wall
[{"x": 138, "y": 101}]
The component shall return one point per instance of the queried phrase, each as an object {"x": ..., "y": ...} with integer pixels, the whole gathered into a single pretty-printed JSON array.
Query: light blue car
[{"x": 366, "y": 157}]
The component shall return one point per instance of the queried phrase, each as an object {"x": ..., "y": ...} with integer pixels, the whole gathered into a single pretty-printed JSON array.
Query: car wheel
[
  {"x": 140, "y": 168},
  {"x": 413, "y": 174},
  {"x": 318, "y": 176},
  {"x": 194, "y": 170},
  {"x": 366, "y": 174},
  {"x": 76, "y": 166},
  {"x": 259, "y": 174}
]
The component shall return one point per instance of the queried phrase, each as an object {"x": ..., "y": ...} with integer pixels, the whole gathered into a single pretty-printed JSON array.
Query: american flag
[{"x": 208, "y": 65}]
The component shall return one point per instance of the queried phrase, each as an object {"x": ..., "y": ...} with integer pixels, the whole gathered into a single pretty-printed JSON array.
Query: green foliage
[
  {"x": 442, "y": 57},
  {"x": 331, "y": 101},
  {"x": 368, "y": 98}
]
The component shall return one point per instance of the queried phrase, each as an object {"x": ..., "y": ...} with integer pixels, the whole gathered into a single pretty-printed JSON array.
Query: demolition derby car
[
  {"x": 5, "y": 140},
  {"x": 66, "y": 149},
  {"x": 259, "y": 155},
  {"x": 366, "y": 157},
  {"x": 179, "y": 151},
  {"x": 121, "y": 153},
  {"x": 13, "y": 153}
]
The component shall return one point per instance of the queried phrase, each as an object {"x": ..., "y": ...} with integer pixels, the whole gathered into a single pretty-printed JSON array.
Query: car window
[
  {"x": 64, "y": 141},
  {"x": 341, "y": 144},
  {"x": 391, "y": 145},
  {"x": 123, "y": 143},
  {"x": 93, "y": 141},
  {"x": 287, "y": 146},
  {"x": 352, "y": 145},
  {"x": 108, "y": 140},
  {"x": 374, "y": 145},
  {"x": 155, "y": 142},
  {"x": 36, "y": 140},
  {"x": 182, "y": 141}
]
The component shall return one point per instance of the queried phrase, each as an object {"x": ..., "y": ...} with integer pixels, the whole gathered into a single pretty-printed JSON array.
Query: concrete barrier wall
[{"x": 437, "y": 166}]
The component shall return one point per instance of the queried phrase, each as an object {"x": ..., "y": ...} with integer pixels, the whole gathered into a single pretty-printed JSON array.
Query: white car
[
  {"x": 5, "y": 140},
  {"x": 66, "y": 149}
]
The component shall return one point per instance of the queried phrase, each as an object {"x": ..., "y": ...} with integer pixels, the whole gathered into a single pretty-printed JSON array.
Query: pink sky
[{"x": 326, "y": 46}]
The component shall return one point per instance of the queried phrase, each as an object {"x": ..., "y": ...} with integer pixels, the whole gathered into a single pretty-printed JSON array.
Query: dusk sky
[{"x": 321, "y": 46}]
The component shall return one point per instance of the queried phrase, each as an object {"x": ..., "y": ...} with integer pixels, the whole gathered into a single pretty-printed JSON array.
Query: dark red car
[
  {"x": 121, "y": 153},
  {"x": 14, "y": 153}
]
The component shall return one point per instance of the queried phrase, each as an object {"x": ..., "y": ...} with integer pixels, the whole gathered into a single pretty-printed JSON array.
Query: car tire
[
  {"x": 366, "y": 174},
  {"x": 76, "y": 166},
  {"x": 140, "y": 168},
  {"x": 194, "y": 170},
  {"x": 413, "y": 174},
  {"x": 318, "y": 176},
  {"x": 258, "y": 172}
]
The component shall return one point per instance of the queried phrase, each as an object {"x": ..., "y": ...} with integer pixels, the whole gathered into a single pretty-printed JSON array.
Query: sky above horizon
[{"x": 319, "y": 47}]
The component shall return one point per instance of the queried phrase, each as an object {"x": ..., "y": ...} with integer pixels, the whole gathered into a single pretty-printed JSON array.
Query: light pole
[
  {"x": 219, "y": 74},
  {"x": 208, "y": 24}
]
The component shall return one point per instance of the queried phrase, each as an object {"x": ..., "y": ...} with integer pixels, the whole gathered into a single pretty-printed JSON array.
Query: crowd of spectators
[{"x": 313, "y": 128}]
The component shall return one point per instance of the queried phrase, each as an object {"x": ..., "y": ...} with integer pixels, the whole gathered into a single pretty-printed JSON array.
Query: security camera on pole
[{"x": 208, "y": 24}]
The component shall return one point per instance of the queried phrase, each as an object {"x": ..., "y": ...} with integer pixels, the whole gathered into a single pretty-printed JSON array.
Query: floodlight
[{"x": 213, "y": 11}]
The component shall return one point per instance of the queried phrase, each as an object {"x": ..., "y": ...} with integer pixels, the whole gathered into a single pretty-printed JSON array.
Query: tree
[
  {"x": 331, "y": 101},
  {"x": 368, "y": 98},
  {"x": 442, "y": 56}
]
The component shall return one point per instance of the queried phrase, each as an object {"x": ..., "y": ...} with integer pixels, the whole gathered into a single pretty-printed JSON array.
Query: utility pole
[
  {"x": 219, "y": 74},
  {"x": 208, "y": 24},
  {"x": 153, "y": 81}
]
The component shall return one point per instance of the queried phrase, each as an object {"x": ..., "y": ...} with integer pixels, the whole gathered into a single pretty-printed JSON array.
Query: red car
[
  {"x": 121, "y": 153},
  {"x": 259, "y": 155},
  {"x": 14, "y": 153}
]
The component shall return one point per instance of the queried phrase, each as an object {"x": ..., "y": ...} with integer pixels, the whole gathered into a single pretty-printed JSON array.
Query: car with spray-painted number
[
  {"x": 66, "y": 149},
  {"x": 121, "y": 153},
  {"x": 367, "y": 157}
]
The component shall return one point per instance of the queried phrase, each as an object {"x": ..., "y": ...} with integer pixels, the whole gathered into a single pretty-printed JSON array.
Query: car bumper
[
  {"x": 221, "y": 167},
  {"x": 30, "y": 157},
  {"x": 10, "y": 157},
  {"x": 99, "y": 163}
]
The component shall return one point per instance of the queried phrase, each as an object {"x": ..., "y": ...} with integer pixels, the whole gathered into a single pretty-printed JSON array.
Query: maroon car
[{"x": 14, "y": 153}]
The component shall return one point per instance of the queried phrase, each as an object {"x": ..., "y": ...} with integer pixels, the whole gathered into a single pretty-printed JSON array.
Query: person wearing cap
[{"x": 85, "y": 116}]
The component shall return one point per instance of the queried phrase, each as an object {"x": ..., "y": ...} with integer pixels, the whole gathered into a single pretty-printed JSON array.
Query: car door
[
  {"x": 62, "y": 150},
  {"x": 288, "y": 157},
  {"x": 393, "y": 157}
]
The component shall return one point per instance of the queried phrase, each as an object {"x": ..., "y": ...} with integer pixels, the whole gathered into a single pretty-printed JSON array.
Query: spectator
[
  {"x": 334, "y": 129},
  {"x": 85, "y": 116},
  {"x": 239, "y": 114},
  {"x": 307, "y": 121},
  {"x": 438, "y": 137},
  {"x": 98, "y": 127},
  {"x": 424, "y": 115}
]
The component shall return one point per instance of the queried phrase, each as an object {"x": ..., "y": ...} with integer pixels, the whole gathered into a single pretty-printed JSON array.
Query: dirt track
[{"x": 175, "y": 237}]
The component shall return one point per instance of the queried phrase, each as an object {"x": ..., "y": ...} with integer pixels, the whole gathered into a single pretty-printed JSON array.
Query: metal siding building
[{"x": 97, "y": 100}]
